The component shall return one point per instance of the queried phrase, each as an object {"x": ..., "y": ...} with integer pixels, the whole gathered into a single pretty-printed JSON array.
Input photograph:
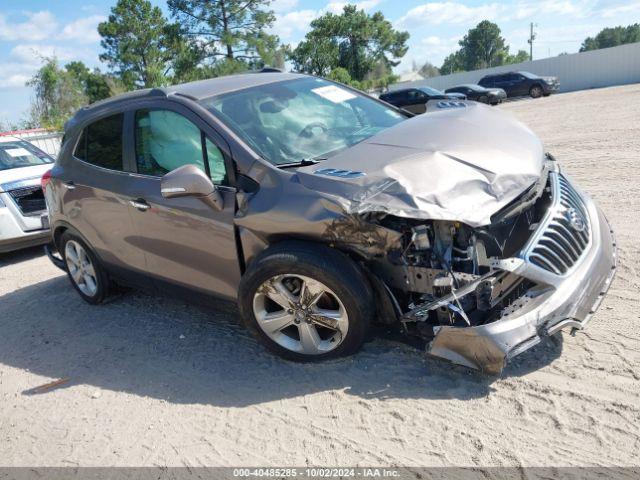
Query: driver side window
[{"x": 166, "y": 140}]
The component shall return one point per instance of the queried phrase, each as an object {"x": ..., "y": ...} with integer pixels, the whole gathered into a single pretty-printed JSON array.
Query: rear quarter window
[{"x": 101, "y": 143}]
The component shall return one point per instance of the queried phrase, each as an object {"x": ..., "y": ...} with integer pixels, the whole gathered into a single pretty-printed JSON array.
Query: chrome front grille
[
  {"x": 564, "y": 234},
  {"x": 30, "y": 200}
]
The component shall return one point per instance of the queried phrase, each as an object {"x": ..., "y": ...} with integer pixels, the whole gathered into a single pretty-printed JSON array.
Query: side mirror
[{"x": 190, "y": 181}]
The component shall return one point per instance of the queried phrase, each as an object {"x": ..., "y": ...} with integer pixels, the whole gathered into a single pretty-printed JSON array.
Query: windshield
[
  {"x": 430, "y": 91},
  {"x": 302, "y": 119},
  {"x": 17, "y": 154},
  {"x": 529, "y": 75}
]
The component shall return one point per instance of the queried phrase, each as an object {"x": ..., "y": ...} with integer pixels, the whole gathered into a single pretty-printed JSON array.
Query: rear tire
[
  {"x": 85, "y": 272},
  {"x": 323, "y": 302}
]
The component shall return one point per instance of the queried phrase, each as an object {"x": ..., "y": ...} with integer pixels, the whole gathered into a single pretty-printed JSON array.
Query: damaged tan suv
[{"x": 323, "y": 210}]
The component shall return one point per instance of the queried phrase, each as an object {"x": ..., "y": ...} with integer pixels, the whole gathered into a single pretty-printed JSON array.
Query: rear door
[
  {"x": 95, "y": 190},
  {"x": 185, "y": 241}
]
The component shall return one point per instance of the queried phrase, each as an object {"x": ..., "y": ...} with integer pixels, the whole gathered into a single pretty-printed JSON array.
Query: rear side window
[{"x": 101, "y": 143}]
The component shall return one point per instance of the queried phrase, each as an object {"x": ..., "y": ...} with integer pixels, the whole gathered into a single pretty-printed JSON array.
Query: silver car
[
  {"x": 23, "y": 214},
  {"x": 321, "y": 210}
]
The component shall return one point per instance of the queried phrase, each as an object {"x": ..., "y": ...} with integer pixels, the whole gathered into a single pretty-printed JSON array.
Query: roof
[
  {"x": 217, "y": 86},
  {"x": 197, "y": 90},
  {"x": 8, "y": 138}
]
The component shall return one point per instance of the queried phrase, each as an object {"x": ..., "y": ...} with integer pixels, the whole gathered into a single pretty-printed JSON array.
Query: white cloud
[
  {"x": 37, "y": 26},
  {"x": 280, "y": 6},
  {"x": 630, "y": 8},
  {"x": 292, "y": 23},
  {"x": 32, "y": 54},
  {"x": 437, "y": 13},
  {"x": 452, "y": 13},
  {"x": 25, "y": 59},
  {"x": 84, "y": 30},
  {"x": 12, "y": 76},
  {"x": 338, "y": 6},
  {"x": 296, "y": 23}
]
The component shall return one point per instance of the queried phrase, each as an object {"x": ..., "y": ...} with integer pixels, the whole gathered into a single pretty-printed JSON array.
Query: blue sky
[{"x": 30, "y": 29}]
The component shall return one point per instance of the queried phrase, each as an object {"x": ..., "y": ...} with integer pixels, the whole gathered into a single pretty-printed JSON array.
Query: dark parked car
[
  {"x": 415, "y": 99},
  {"x": 518, "y": 84},
  {"x": 321, "y": 210},
  {"x": 492, "y": 96}
]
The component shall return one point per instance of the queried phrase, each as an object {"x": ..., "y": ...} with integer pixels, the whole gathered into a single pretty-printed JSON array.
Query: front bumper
[
  {"x": 567, "y": 301},
  {"x": 551, "y": 87},
  {"x": 13, "y": 235}
]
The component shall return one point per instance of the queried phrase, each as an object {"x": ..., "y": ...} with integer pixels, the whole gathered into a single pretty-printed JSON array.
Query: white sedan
[{"x": 23, "y": 212}]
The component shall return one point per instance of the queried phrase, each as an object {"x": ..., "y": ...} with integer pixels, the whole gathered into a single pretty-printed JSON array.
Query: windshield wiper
[{"x": 305, "y": 162}]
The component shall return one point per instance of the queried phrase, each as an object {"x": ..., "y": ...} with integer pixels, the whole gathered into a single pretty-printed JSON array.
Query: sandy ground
[{"x": 154, "y": 381}]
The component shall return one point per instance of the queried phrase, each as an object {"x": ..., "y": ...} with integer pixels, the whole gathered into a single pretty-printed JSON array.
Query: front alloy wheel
[
  {"x": 306, "y": 302},
  {"x": 300, "y": 314},
  {"x": 536, "y": 91}
]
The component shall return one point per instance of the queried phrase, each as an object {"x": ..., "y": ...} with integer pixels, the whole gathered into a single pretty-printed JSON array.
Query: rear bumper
[{"x": 569, "y": 302}]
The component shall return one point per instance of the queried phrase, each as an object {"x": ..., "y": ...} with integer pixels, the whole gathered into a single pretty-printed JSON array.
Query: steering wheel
[{"x": 307, "y": 132}]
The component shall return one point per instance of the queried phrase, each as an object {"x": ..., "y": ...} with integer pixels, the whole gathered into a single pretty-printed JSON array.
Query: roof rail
[{"x": 270, "y": 70}]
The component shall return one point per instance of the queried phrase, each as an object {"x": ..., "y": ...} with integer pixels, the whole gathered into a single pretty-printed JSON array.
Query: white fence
[
  {"x": 45, "y": 140},
  {"x": 578, "y": 71}
]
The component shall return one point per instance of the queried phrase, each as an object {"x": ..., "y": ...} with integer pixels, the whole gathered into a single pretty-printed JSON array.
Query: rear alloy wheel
[
  {"x": 301, "y": 314},
  {"x": 85, "y": 273},
  {"x": 80, "y": 268},
  {"x": 536, "y": 91}
]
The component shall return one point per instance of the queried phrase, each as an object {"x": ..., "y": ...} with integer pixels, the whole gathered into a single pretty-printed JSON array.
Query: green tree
[
  {"x": 521, "y": 56},
  {"x": 353, "y": 40},
  {"x": 233, "y": 30},
  {"x": 612, "y": 37},
  {"x": 452, "y": 63},
  {"x": 428, "y": 70},
  {"x": 58, "y": 94},
  {"x": 483, "y": 47},
  {"x": 97, "y": 85},
  {"x": 137, "y": 43}
]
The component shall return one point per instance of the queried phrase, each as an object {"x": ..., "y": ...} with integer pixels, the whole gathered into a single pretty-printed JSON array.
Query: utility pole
[{"x": 532, "y": 37}]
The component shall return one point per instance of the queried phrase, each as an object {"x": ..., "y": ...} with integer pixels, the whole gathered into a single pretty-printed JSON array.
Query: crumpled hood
[{"x": 459, "y": 164}]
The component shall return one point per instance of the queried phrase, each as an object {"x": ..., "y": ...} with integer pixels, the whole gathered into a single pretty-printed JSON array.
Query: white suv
[{"x": 23, "y": 213}]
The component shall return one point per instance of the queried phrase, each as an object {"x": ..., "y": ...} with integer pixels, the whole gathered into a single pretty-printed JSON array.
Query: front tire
[
  {"x": 85, "y": 272},
  {"x": 536, "y": 91},
  {"x": 306, "y": 302}
]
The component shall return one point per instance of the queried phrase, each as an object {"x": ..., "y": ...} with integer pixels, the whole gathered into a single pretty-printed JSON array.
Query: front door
[{"x": 186, "y": 242}]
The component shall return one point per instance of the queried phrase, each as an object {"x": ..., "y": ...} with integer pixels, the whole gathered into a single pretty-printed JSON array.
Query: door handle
[
  {"x": 69, "y": 185},
  {"x": 140, "y": 204}
]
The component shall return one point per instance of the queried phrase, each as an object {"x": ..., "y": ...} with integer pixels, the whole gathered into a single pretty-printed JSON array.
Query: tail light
[{"x": 44, "y": 181}]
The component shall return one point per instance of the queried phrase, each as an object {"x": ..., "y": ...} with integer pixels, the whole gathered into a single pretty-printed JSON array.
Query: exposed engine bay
[{"x": 442, "y": 273}]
